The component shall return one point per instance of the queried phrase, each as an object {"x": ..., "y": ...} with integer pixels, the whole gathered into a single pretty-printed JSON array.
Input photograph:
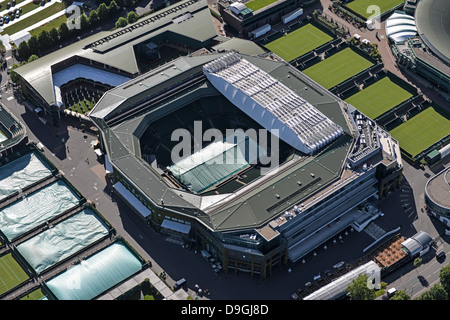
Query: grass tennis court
[
  {"x": 421, "y": 131},
  {"x": 379, "y": 98},
  {"x": 360, "y": 6},
  {"x": 337, "y": 68},
  {"x": 258, "y": 4},
  {"x": 298, "y": 42},
  {"x": 35, "y": 295},
  {"x": 11, "y": 273}
]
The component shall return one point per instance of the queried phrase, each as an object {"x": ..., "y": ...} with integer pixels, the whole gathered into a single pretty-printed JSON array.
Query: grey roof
[
  {"x": 433, "y": 26},
  {"x": 437, "y": 188},
  {"x": 115, "y": 48},
  {"x": 249, "y": 207},
  {"x": 417, "y": 242},
  {"x": 240, "y": 45}
]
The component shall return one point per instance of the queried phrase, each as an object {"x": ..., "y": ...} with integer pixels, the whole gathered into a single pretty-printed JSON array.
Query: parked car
[
  {"x": 440, "y": 255},
  {"x": 391, "y": 292},
  {"x": 1, "y": 21},
  {"x": 6, "y": 19}
]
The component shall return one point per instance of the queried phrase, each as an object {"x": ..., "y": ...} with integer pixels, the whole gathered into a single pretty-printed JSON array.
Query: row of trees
[
  {"x": 358, "y": 289},
  {"x": 67, "y": 30}
]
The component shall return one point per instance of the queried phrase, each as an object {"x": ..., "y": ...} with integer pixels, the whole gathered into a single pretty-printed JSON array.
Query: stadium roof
[
  {"x": 400, "y": 27},
  {"x": 433, "y": 26},
  {"x": 438, "y": 188},
  {"x": 116, "y": 48},
  {"x": 124, "y": 113},
  {"x": 271, "y": 103}
]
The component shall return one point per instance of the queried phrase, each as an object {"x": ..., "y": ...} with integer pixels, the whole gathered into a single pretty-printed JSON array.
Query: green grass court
[
  {"x": 379, "y": 98},
  {"x": 35, "y": 295},
  {"x": 421, "y": 131},
  {"x": 11, "y": 273},
  {"x": 337, "y": 68},
  {"x": 298, "y": 42},
  {"x": 258, "y": 4},
  {"x": 360, "y": 6}
]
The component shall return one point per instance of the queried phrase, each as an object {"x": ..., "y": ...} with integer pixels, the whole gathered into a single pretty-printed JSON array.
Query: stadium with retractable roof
[{"x": 249, "y": 214}]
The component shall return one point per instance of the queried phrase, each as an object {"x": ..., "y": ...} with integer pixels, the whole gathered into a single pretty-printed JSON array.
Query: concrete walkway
[{"x": 139, "y": 278}]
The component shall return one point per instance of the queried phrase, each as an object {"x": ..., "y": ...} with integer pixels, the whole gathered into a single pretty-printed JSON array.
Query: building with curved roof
[
  {"x": 433, "y": 26},
  {"x": 400, "y": 26},
  {"x": 427, "y": 52},
  {"x": 437, "y": 196},
  {"x": 245, "y": 219}
]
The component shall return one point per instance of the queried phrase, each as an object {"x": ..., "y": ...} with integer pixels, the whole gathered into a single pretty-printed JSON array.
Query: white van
[
  {"x": 391, "y": 292},
  {"x": 179, "y": 284}
]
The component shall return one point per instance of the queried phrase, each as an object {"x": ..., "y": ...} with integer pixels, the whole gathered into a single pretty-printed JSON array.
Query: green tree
[
  {"x": 64, "y": 31},
  {"x": 444, "y": 277},
  {"x": 24, "y": 50},
  {"x": 33, "y": 57},
  {"x": 401, "y": 295},
  {"x": 13, "y": 75},
  {"x": 417, "y": 262},
  {"x": 358, "y": 289},
  {"x": 94, "y": 19},
  {"x": 54, "y": 35},
  {"x": 33, "y": 44},
  {"x": 45, "y": 41},
  {"x": 113, "y": 8},
  {"x": 103, "y": 12},
  {"x": 132, "y": 17},
  {"x": 84, "y": 22},
  {"x": 437, "y": 292},
  {"x": 121, "y": 22}
]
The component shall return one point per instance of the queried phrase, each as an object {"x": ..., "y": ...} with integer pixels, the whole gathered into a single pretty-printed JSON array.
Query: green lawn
[
  {"x": 55, "y": 23},
  {"x": 337, "y": 68},
  {"x": 258, "y": 4},
  {"x": 361, "y": 6},
  {"x": 421, "y": 131},
  {"x": 298, "y": 42},
  {"x": 379, "y": 98},
  {"x": 35, "y": 295},
  {"x": 35, "y": 18},
  {"x": 11, "y": 273}
]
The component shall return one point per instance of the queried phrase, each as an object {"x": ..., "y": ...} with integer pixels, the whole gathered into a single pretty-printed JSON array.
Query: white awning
[
  {"x": 132, "y": 200},
  {"x": 108, "y": 165},
  {"x": 176, "y": 226},
  {"x": 400, "y": 27}
]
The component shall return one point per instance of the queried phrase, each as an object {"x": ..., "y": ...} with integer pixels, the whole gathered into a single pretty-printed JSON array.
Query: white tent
[
  {"x": 19, "y": 37},
  {"x": 400, "y": 27}
]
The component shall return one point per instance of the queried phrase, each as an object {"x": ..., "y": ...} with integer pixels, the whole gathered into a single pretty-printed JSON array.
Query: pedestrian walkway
[{"x": 159, "y": 285}]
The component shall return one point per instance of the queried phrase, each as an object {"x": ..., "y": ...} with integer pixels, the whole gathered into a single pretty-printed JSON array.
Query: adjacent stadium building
[
  {"x": 254, "y": 18},
  {"x": 289, "y": 181},
  {"x": 437, "y": 199},
  {"x": 422, "y": 43}
]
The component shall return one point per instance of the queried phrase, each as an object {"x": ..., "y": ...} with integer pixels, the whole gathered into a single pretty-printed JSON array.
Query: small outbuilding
[{"x": 418, "y": 244}]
